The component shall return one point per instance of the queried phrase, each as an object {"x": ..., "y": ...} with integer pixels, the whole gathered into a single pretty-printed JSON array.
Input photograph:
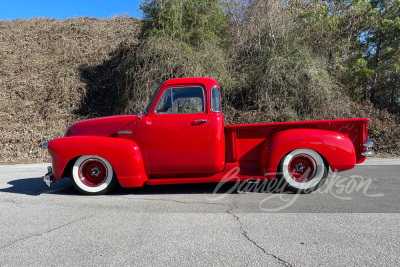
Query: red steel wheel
[
  {"x": 93, "y": 172},
  {"x": 303, "y": 169},
  {"x": 92, "y": 175}
]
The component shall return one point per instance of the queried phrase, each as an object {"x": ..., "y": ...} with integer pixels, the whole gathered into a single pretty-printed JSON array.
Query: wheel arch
[
  {"x": 336, "y": 149},
  {"x": 68, "y": 167},
  {"x": 124, "y": 156}
]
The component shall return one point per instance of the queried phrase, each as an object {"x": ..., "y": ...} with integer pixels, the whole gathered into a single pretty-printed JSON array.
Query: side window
[
  {"x": 165, "y": 103},
  {"x": 215, "y": 99},
  {"x": 182, "y": 100},
  {"x": 188, "y": 100}
]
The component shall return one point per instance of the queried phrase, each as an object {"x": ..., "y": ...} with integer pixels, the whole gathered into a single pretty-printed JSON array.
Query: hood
[{"x": 105, "y": 126}]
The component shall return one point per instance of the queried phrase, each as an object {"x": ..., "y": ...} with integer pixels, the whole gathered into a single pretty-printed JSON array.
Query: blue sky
[{"x": 13, "y": 9}]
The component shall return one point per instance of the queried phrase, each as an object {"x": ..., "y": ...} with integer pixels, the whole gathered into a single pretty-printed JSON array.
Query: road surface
[{"x": 353, "y": 219}]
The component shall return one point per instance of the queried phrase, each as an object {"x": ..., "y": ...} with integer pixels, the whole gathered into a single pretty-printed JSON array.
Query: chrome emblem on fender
[{"x": 124, "y": 132}]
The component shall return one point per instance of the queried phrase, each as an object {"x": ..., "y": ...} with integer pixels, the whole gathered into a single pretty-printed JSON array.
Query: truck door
[{"x": 178, "y": 132}]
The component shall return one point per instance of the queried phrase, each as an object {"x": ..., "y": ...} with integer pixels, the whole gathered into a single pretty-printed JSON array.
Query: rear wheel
[
  {"x": 93, "y": 175},
  {"x": 304, "y": 170}
]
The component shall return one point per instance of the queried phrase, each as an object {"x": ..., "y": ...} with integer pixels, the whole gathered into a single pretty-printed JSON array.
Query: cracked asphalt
[{"x": 353, "y": 219}]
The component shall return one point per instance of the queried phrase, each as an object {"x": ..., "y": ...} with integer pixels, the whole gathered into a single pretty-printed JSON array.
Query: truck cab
[{"x": 184, "y": 128}]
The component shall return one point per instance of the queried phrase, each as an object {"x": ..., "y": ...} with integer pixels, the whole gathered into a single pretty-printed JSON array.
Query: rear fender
[
  {"x": 124, "y": 156},
  {"x": 336, "y": 148}
]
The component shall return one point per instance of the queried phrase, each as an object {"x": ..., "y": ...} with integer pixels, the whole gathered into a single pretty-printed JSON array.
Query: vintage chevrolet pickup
[{"x": 181, "y": 138}]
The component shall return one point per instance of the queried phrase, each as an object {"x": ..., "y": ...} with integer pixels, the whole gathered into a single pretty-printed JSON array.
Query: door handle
[{"x": 200, "y": 121}]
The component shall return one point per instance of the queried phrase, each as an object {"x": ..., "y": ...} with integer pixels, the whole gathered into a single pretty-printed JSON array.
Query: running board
[{"x": 213, "y": 179}]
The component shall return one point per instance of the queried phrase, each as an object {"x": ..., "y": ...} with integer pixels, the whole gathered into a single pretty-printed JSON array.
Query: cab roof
[{"x": 208, "y": 82}]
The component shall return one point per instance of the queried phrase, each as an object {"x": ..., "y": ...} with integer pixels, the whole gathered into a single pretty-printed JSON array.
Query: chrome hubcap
[
  {"x": 302, "y": 168},
  {"x": 95, "y": 171}
]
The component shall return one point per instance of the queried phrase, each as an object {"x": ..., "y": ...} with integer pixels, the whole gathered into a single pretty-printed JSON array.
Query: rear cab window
[{"x": 215, "y": 99}]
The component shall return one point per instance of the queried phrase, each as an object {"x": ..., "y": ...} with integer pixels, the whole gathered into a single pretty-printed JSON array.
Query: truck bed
[{"x": 245, "y": 141}]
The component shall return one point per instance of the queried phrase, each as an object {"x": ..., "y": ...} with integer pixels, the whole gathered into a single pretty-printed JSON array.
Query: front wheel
[
  {"x": 93, "y": 175},
  {"x": 304, "y": 170}
]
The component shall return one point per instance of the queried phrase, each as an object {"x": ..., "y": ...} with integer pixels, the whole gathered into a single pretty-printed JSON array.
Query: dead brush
[{"x": 41, "y": 87}]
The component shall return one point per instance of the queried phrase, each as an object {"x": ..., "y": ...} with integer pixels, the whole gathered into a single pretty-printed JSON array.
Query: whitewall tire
[
  {"x": 304, "y": 170},
  {"x": 93, "y": 175}
]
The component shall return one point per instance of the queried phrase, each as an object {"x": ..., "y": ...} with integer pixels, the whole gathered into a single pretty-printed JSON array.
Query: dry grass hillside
[{"x": 47, "y": 68}]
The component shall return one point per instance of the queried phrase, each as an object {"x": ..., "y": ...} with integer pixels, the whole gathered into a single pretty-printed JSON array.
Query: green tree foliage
[
  {"x": 281, "y": 75},
  {"x": 179, "y": 38},
  {"x": 191, "y": 22},
  {"x": 360, "y": 40},
  {"x": 381, "y": 48}
]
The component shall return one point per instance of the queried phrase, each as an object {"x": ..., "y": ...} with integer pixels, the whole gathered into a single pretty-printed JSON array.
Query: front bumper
[{"x": 49, "y": 177}]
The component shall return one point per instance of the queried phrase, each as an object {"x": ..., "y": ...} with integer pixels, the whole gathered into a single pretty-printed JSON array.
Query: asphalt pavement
[{"x": 353, "y": 219}]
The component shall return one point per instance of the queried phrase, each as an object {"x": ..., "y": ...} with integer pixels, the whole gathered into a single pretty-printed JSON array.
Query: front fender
[
  {"x": 124, "y": 156},
  {"x": 336, "y": 148}
]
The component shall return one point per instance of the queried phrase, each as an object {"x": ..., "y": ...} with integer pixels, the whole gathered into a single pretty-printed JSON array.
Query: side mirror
[{"x": 140, "y": 114}]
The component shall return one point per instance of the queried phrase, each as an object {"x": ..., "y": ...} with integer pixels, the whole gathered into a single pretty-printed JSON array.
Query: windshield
[{"x": 153, "y": 98}]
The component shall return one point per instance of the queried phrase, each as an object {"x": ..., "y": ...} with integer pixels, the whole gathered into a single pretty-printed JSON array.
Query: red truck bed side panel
[{"x": 244, "y": 143}]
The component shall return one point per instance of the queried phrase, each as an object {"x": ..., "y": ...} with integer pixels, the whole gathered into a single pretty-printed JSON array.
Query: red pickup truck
[{"x": 181, "y": 138}]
